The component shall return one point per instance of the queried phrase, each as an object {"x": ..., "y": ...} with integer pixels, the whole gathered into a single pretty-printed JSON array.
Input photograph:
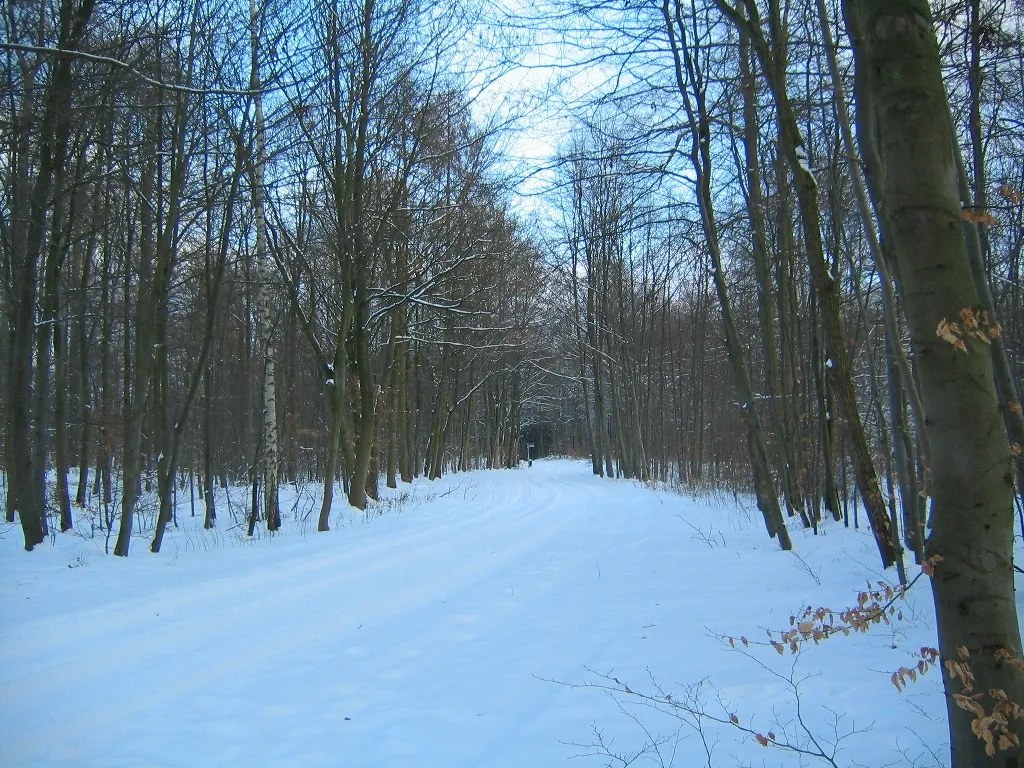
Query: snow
[
  {"x": 435, "y": 629},
  {"x": 802, "y": 160}
]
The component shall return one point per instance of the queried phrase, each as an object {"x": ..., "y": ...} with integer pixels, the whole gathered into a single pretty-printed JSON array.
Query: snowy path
[{"x": 423, "y": 637}]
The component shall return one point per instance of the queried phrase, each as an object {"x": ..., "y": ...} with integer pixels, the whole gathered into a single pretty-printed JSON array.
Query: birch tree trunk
[{"x": 264, "y": 270}]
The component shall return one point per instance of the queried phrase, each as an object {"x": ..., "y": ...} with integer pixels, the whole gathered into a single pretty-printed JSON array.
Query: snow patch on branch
[{"x": 802, "y": 160}]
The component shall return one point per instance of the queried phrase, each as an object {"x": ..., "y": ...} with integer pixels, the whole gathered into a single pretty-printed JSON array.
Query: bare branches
[
  {"x": 130, "y": 69},
  {"x": 702, "y": 709}
]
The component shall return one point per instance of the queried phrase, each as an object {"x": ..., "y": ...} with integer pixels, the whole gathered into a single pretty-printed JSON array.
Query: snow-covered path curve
[{"x": 422, "y": 638}]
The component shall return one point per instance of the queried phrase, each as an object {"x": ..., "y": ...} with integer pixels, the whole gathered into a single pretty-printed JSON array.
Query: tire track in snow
[
  {"x": 534, "y": 527},
  {"x": 51, "y": 636}
]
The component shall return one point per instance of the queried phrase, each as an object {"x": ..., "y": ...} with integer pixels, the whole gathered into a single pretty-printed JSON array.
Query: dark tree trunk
[
  {"x": 688, "y": 76},
  {"x": 54, "y": 131},
  {"x": 827, "y": 287},
  {"x": 972, "y": 476}
]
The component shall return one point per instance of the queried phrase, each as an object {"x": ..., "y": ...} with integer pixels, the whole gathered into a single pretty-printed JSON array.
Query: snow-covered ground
[{"x": 439, "y": 629}]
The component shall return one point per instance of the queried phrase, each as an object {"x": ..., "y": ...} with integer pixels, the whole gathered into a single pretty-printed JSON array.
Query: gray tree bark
[{"x": 972, "y": 476}]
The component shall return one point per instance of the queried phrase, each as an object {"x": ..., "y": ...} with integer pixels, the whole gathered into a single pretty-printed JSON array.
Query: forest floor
[{"x": 441, "y": 627}]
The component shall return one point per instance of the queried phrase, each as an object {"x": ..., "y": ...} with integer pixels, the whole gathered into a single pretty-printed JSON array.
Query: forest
[{"x": 767, "y": 247}]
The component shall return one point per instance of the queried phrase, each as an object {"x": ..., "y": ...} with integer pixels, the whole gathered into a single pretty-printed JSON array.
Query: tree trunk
[
  {"x": 784, "y": 459},
  {"x": 900, "y": 364},
  {"x": 54, "y": 130},
  {"x": 1006, "y": 387},
  {"x": 972, "y": 476},
  {"x": 336, "y": 399},
  {"x": 700, "y": 158},
  {"x": 404, "y": 415},
  {"x": 10, "y": 462},
  {"x": 393, "y": 419},
  {"x": 135, "y": 398},
  {"x": 84, "y": 342},
  {"x": 167, "y": 466},
  {"x": 600, "y": 421},
  {"x": 264, "y": 271},
  {"x": 827, "y": 287},
  {"x": 50, "y": 348},
  {"x": 60, "y": 422},
  {"x": 210, "y": 518}
]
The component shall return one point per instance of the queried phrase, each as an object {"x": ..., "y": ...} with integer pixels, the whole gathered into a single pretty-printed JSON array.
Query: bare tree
[{"x": 972, "y": 505}]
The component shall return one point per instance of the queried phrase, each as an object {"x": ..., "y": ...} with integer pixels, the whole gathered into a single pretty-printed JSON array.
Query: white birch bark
[{"x": 264, "y": 271}]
